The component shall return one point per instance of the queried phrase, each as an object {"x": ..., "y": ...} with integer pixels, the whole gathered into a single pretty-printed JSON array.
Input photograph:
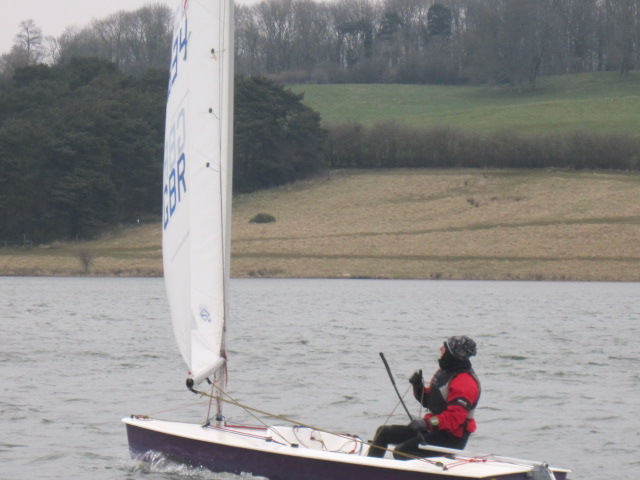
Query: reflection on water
[{"x": 558, "y": 364}]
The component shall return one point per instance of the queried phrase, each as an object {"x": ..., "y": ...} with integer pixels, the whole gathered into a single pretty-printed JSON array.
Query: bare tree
[
  {"x": 314, "y": 34},
  {"x": 86, "y": 258},
  {"x": 248, "y": 44},
  {"x": 134, "y": 41},
  {"x": 29, "y": 40},
  {"x": 277, "y": 24},
  {"x": 579, "y": 50},
  {"x": 51, "y": 49},
  {"x": 622, "y": 36},
  {"x": 511, "y": 39}
]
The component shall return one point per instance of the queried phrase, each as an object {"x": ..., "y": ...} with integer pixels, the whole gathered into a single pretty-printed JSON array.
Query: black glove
[
  {"x": 416, "y": 379},
  {"x": 419, "y": 425}
]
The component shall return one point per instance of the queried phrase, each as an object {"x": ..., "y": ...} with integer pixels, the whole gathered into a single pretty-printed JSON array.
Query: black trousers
[{"x": 407, "y": 442}]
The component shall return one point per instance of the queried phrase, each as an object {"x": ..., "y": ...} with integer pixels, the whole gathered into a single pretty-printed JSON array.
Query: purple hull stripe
[{"x": 224, "y": 458}]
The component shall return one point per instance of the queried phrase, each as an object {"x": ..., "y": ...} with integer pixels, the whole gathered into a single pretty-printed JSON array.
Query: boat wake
[{"x": 153, "y": 462}]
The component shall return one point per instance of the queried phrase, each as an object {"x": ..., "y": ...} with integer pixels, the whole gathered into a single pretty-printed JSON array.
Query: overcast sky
[{"x": 54, "y": 16}]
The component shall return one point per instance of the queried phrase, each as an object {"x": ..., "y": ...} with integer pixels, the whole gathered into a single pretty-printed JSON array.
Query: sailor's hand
[
  {"x": 416, "y": 379},
  {"x": 419, "y": 425}
]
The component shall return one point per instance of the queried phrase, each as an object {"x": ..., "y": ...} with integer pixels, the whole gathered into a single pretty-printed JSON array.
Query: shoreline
[{"x": 338, "y": 278}]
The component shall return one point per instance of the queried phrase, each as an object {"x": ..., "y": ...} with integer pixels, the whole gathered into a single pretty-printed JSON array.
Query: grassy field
[
  {"x": 448, "y": 224},
  {"x": 603, "y": 102}
]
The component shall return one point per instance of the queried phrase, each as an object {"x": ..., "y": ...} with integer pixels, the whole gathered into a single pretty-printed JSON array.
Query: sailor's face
[{"x": 442, "y": 350}]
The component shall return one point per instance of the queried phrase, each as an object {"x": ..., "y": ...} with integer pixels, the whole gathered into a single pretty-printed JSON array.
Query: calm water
[{"x": 559, "y": 366}]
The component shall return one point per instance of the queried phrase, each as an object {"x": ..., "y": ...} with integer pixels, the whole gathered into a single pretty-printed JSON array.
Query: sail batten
[{"x": 197, "y": 191}]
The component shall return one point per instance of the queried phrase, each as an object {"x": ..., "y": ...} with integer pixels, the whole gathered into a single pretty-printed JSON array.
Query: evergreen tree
[
  {"x": 277, "y": 138},
  {"x": 80, "y": 148}
]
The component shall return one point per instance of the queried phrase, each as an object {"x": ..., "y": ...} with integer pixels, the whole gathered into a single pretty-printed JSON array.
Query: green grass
[{"x": 603, "y": 102}]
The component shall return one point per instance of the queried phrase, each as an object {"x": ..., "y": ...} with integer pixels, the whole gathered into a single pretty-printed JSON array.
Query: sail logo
[
  {"x": 175, "y": 186},
  {"x": 204, "y": 313}
]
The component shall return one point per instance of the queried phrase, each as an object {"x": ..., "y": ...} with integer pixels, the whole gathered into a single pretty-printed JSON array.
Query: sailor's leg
[
  {"x": 387, "y": 435},
  {"x": 409, "y": 449}
]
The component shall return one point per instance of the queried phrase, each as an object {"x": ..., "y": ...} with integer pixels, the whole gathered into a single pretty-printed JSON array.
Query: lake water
[{"x": 558, "y": 362}]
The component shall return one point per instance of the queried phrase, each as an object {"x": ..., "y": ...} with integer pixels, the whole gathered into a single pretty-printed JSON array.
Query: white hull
[{"x": 300, "y": 453}]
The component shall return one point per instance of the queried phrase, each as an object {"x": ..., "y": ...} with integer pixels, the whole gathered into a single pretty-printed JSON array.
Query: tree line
[
  {"x": 375, "y": 41},
  {"x": 134, "y": 41},
  {"x": 436, "y": 41},
  {"x": 81, "y": 146}
]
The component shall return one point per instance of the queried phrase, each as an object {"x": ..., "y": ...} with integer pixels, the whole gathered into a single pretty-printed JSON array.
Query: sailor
[{"x": 450, "y": 398}]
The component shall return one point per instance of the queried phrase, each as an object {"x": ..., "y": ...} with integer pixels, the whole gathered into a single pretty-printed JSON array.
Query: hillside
[
  {"x": 602, "y": 102},
  {"x": 432, "y": 224}
]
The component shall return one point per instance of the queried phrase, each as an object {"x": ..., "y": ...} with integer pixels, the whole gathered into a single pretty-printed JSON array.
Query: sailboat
[{"x": 196, "y": 257}]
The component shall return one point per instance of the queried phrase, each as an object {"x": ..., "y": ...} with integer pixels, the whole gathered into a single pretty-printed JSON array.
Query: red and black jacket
[{"x": 452, "y": 397}]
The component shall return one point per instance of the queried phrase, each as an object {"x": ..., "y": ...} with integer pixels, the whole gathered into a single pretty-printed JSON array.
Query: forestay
[{"x": 197, "y": 182}]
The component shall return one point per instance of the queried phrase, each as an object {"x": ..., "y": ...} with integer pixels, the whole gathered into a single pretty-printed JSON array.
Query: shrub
[
  {"x": 263, "y": 218},
  {"x": 389, "y": 145}
]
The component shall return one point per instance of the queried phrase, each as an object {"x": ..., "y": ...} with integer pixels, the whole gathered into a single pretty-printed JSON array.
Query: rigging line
[
  {"x": 421, "y": 401},
  {"x": 396, "y": 407},
  {"x": 259, "y": 420},
  {"x": 179, "y": 407},
  {"x": 288, "y": 420},
  {"x": 273, "y": 415},
  {"x": 234, "y": 430},
  {"x": 213, "y": 385}
]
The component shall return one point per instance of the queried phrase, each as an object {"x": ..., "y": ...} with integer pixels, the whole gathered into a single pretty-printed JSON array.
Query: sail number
[
  {"x": 178, "y": 49},
  {"x": 175, "y": 162}
]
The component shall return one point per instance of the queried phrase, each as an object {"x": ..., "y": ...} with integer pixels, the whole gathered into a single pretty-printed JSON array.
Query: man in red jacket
[{"x": 451, "y": 399}]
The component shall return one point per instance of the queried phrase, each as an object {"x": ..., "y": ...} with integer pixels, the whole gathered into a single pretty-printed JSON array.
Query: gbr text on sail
[
  {"x": 175, "y": 185},
  {"x": 175, "y": 162}
]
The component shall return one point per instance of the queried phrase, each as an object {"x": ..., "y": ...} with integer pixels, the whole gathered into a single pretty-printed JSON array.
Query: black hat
[{"x": 461, "y": 347}]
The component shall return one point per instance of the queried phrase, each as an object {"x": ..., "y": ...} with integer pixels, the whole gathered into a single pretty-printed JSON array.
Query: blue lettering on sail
[
  {"x": 175, "y": 187},
  {"x": 180, "y": 40}
]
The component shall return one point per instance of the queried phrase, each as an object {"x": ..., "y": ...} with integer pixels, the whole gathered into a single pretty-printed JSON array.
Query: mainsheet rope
[{"x": 246, "y": 409}]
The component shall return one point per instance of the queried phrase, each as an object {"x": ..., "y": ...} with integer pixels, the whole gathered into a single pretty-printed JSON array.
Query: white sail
[{"x": 197, "y": 181}]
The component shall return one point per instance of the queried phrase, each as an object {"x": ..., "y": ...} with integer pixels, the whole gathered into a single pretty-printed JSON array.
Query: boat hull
[{"x": 295, "y": 463}]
